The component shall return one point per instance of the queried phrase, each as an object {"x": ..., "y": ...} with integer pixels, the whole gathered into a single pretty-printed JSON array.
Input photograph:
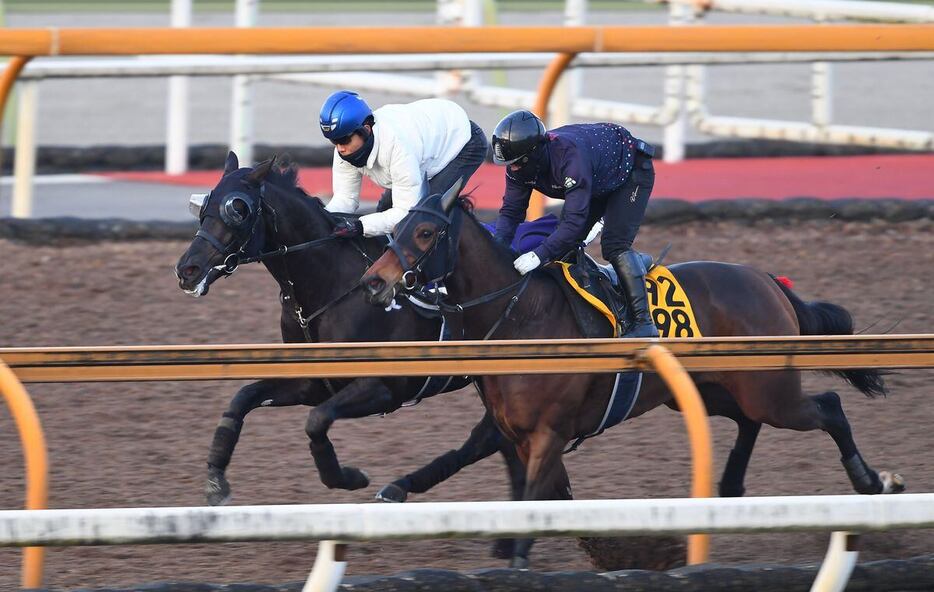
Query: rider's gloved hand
[
  {"x": 347, "y": 228},
  {"x": 526, "y": 263}
]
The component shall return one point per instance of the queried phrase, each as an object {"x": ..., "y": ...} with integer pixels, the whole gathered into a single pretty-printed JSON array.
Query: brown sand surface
[{"x": 145, "y": 444}]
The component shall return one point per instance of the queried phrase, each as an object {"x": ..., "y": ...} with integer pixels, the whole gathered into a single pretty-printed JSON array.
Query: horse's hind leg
[
  {"x": 734, "y": 474},
  {"x": 360, "y": 398},
  {"x": 264, "y": 393},
  {"x": 719, "y": 401},
  {"x": 863, "y": 478},
  {"x": 775, "y": 398}
]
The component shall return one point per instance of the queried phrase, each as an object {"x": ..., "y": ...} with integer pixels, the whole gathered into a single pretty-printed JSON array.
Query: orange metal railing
[
  {"x": 698, "y": 427},
  {"x": 36, "y": 459}
]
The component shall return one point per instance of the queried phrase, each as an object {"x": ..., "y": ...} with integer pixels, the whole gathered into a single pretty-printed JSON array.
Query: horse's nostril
[
  {"x": 190, "y": 271},
  {"x": 375, "y": 283}
]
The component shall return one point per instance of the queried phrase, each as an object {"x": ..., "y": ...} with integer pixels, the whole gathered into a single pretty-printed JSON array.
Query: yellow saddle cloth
[{"x": 670, "y": 306}]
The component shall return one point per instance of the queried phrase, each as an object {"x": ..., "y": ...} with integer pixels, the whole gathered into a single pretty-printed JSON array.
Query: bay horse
[
  {"x": 441, "y": 240},
  {"x": 262, "y": 215}
]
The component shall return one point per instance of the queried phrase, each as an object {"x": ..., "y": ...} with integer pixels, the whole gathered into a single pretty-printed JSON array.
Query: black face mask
[
  {"x": 528, "y": 174},
  {"x": 359, "y": 158}
]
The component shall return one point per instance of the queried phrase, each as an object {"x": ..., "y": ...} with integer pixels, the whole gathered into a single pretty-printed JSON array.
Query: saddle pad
[
  {"x": 589, "y": 296},
  {"x": 670, "y": 307}
]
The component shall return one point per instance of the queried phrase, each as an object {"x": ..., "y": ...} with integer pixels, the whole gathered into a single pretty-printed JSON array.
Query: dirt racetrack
[{"x": 144, "y": 444}]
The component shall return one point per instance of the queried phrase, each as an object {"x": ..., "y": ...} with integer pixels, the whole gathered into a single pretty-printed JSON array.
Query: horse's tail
[{"x": 826, "y": 318}]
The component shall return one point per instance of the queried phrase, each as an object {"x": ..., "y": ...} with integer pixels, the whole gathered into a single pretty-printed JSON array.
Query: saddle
[{"x": 587, "y": 285}]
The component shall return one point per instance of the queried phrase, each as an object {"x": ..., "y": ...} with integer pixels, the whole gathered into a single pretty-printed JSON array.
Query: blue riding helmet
[{"x": 342, "y": 114}]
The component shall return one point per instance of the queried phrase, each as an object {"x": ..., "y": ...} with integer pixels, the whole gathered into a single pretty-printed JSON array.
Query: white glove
[
  {"x": 597, "y": 229},
  {"x": 526, "y": 263}
]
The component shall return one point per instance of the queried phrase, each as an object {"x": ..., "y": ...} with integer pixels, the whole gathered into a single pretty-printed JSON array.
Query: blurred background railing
[{"x": 684, "y": 111}]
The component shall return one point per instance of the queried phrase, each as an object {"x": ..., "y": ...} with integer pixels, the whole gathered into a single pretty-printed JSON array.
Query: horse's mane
[
  {"x": 466, "y": 203},
  {"x": 284, "y": 176}
]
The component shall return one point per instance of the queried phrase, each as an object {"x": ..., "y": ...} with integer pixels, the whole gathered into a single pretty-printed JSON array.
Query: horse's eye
[{"x": 425, "y": 234}]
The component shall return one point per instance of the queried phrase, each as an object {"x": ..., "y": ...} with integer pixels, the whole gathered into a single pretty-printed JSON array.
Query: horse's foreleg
[
  {"x": 515, "y": 469},
  {"x": 546, "y": 478},
  {"x": 731, "y": 484},
  {"x": 264, "y": 393},
  {"x": 485, "y": 439},
  {"x": 360, "y": 398}
]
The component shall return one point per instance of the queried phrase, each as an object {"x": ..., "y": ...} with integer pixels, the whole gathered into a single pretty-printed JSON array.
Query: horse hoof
[
  {"x": 394, "y": 494},
  {"x": 519, "y": 563},
  {"x": 217, "y": 489},
  {"x": 354, "y": 478},
  {"x": 503, "y": 548},
  {"x": 891, "y": 482}
]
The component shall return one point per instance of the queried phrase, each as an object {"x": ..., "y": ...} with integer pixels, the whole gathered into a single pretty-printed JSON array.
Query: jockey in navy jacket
[{"x": 599, "y": 170}]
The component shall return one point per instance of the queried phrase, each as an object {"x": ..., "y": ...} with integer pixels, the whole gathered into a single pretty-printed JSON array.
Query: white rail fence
[
  {"x": 370, "y": 522},
  {"x": 821, "y": 129},
  {"x": 683, "y": 92},
  {"x": 357, "y": 72},
  {"x": 460, "y": 520},
  {"x": 684, "y": 101}
]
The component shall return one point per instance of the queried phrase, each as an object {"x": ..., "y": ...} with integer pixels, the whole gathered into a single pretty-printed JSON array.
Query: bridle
[
  {"x": 246, "y": 234},
  {"x": 235, "y": 256},
  {"x": 412, "y": 272},
  {"x": 448, "y": 233}
]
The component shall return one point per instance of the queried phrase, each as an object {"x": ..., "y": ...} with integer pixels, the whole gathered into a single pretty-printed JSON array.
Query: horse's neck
[
  {"x": 481, "y": 268},
  {"x": 317, "y": 275}
]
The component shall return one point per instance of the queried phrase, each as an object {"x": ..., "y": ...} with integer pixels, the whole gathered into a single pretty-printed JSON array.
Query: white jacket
[{"x": 409, "y": 141}]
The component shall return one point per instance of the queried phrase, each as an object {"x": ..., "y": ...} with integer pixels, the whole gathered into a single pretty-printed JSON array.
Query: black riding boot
[{"x": 631, "y": 271}]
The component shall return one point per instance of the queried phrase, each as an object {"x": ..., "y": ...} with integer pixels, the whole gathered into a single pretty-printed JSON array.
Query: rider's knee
[{"x": 613, "y": 250}]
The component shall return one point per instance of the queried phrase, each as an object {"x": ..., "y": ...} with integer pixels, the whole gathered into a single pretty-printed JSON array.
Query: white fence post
[
  {"x": 821, "y": 93},
  {"x": 241, "y": 103},
  {"x": 328, "y": 570},
  {"x": 176, "y": 137},
  {"x": 24, "y": 163},
  {"x": 676, "y": 131},
  {"x": 838, "y": 564},
  {"x": 464, "y": 13},
  {"x": 569, "y": 85}
]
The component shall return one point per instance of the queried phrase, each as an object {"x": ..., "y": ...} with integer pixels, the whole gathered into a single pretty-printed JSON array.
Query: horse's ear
[
  {"x": 450, "y": 196},
  {"x": 231, "y": 164},
  {"x": 425, "y": 191},
  {"x": 262, "y": 169}
]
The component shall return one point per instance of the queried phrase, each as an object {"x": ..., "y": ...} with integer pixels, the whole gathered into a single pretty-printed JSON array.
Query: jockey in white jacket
[{"x": 396, "y": 146}]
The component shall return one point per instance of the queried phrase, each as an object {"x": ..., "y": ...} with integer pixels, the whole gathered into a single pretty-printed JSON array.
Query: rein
[
  {"x": 411, "y": 272},
  {"x": 305, "y": 322},
  {"x": 512, "y": 303},
  {"x": 285, "y": 250}
]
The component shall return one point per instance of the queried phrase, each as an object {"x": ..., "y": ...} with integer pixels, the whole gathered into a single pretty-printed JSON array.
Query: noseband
[{"x": 411, "y": 273}]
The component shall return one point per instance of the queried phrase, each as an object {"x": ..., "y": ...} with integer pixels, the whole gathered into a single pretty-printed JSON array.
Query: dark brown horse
[{"x": 541, "y": 414}]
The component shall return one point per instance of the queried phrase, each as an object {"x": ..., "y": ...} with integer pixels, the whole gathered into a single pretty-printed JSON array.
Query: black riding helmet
[{"x": 517, "y": 136}]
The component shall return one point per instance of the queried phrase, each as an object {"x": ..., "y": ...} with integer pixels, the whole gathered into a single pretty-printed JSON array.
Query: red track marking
[{"x": 827, "y": 177}]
